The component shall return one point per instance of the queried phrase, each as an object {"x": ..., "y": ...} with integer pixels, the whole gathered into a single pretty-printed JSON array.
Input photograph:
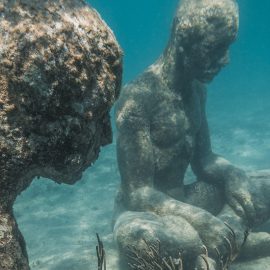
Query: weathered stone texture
[
  {"x": 60, "y": 72},
  {"x": 162, "y": 129},
  {"x": 204, "y": 29}
]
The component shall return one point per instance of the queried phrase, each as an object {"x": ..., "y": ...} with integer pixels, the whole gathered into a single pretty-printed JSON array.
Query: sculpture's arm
[
  {"x": 207, "y": 165},
  {"x": 247, "y": 197},
  {"x": 134, "y": 147}
]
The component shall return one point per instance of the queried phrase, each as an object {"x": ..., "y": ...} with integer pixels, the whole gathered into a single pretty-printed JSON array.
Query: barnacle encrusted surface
[{"x": 60, "y": 72}]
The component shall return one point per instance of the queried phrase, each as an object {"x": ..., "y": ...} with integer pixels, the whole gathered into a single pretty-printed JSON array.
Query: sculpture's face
[
  {"x": 209, "y": 60},
  {"x": 55, "y": 92},
  {"x": 203, "y": 31}
]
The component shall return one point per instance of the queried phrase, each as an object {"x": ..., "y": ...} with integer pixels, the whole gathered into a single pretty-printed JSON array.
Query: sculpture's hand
[
  {"x": 248, "y": 196},
  {"x": 221, "y": 238}
]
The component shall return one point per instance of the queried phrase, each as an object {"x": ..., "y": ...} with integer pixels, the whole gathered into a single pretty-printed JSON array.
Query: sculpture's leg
[
  {"x": 256, "y": 246},
  {"x": 212, "y": 197},
  {"x": 138, "y": 229},
  {"x": 13, "y": 255},
  {"x": 255, "y": 254},
  {"x": 206, "y": 196}
]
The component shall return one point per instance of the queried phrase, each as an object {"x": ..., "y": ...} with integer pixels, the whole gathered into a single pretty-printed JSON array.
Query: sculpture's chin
[
  {"x": 207, "y": 76},
  {"x": 205, "y": 79}
]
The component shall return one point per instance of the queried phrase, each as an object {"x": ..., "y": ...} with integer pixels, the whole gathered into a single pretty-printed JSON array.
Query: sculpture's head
[
  {"x": 60, "y": 74},
  {"x": 203, "y": 31}
]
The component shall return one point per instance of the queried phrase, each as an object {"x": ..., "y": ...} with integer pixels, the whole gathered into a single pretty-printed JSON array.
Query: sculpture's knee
[
  {"x": 13, "y": 255},
  {"x": 132, "y": 232},
  {"x": 136, "y": 233},
  {"x": 131, "y": 227}
]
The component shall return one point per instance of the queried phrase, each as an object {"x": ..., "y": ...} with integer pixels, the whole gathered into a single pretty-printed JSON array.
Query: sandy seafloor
[{"x": 59, "y": 222}]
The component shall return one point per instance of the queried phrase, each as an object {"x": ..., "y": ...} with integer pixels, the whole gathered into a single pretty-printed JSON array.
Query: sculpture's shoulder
[
  {"x": 137, "y": 98},
  {"x": 144, "y": 86}
]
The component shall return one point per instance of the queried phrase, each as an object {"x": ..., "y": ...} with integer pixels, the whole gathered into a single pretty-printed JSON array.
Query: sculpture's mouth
[{"x": 210, "y": 68}]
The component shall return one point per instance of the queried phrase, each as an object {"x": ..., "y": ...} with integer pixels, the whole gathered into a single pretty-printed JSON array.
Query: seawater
[{"x": 59, "y": 222}]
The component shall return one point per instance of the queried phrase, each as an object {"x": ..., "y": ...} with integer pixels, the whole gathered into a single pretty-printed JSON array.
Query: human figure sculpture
[
  {"x": 60, "y": 73},
  {"x": 162, "y": 129}
]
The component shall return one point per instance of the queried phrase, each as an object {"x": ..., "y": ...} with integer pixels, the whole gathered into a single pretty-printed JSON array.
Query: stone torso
[{"x": 172, "y": 120}]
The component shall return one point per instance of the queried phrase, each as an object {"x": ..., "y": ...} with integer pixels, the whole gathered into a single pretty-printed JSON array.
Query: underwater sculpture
[
  {"x": 60, "y": 73},
  {"x": 162, "y": 129}
]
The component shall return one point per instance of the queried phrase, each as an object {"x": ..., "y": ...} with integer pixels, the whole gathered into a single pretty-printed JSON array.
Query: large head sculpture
[
  {"x": 60, "y": 73},
  {"x": 203, "y": 31}
]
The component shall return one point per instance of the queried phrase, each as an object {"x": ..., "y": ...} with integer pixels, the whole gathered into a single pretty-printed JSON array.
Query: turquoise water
[{"x": 59, "y": 222}]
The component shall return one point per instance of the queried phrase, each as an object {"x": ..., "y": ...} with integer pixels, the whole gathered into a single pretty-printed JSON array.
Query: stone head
[
  {"x": 60, "y": 73},
  {"x": 203, "y": 31}
]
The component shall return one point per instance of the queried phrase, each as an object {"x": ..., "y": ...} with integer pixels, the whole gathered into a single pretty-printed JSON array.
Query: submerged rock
[{"x": 60, "y": 73}]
